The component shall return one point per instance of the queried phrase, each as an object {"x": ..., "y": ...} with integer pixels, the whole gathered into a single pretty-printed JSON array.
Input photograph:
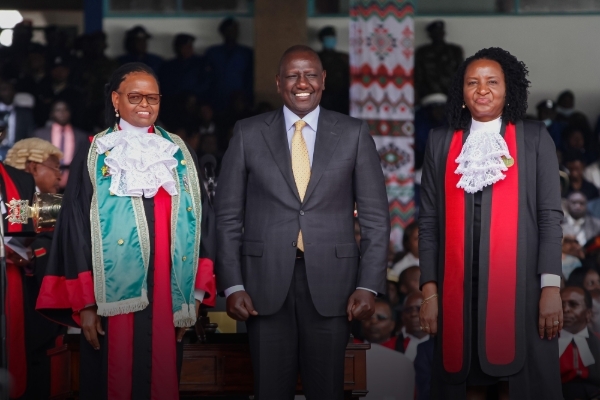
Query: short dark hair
[
  {"x": 404, "y": 273},
  {"x": 226, "y": 23},
  {"x": 517, "y": 85},
  {"x": 298, "y": 48},
  {"x": 113, "y": 85},
  {"x": 383, "y": 300},
  {"x": 408, "y": 231},
  {"x": 326, "y": 31},
  {"x": 587, "y": 297}
]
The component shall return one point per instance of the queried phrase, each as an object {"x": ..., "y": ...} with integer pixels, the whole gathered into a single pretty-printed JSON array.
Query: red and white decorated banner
[{"x": 382, "y": 93}]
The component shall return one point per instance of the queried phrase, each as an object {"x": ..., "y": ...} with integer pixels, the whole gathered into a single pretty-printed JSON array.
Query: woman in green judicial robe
[{"x": 127, "y": 263}]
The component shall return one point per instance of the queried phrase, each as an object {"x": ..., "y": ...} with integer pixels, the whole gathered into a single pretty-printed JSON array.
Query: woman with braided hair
[
  {"x": 490, "y": 239},
  {"x": 127, "y": 264}
]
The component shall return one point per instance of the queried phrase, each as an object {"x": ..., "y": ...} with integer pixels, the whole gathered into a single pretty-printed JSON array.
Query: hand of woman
[
  {"x": 91, "y": 325},
  {"x": 551, "y": 313},
  {"x": 428, "y": 315},
  {"x": 181, "y": 331}
]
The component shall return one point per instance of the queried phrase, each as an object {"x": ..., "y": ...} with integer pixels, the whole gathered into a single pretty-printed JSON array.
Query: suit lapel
[
  {"x": 325, "y": 144},
  {"x": 276, "y": 138}
]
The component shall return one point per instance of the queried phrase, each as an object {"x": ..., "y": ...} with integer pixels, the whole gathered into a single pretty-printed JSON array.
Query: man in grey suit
[{"x": 287, "y": 259}]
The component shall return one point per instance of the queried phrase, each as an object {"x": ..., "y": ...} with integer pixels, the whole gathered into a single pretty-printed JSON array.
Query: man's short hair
[{"x": 298, "y": 48}]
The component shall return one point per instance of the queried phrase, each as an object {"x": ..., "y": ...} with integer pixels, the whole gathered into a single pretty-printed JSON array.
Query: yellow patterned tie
[{"x": 300, "y": 166}]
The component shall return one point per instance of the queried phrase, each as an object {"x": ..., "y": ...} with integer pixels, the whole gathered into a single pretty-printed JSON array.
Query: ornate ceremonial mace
[{"x": 44, "y": 212}]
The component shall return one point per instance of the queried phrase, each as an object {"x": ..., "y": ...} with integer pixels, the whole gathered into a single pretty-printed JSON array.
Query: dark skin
[
  {"x": 484, "y": 94},
  {"x": 410, "y": 314},
  {"x": 300, "y": 83},
  {"x": 46, "y": 174},
  {"x": 61, "y": 114},
  {"x": 577, "y": 315},
  {"x": 140, "y": 115}
]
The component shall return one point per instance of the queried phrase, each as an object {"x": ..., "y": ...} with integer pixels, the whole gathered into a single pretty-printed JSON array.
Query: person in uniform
[
  {"x": 41, "y": 159},
  {"x": 337, "y": 65},
  {"x": 490, "y": 239},
  {"x": 127, "y": 264},
  {"x": 436, "y": 63}
]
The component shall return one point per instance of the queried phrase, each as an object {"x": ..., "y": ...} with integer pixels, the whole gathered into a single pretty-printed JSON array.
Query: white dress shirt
[
  {"x": 126, "y": 126},
  {"x": 495, "y": 126},
  {"x": 580, "y": 339},
  {"x": 309, "y": 132}
]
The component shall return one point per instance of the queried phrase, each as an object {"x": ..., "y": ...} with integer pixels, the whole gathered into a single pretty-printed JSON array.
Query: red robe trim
[
  {"x": 500, "y": 327},
  {"x": 15, "y": 315},
  {"x": 570, "y": 368},
  {"x": 58, "y": 292},
  {"x": 11, "y": 193},
  {"x": 205, "y": 280}
]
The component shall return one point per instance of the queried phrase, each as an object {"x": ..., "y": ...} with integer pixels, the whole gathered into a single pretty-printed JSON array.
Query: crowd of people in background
[{"x": 55, "y": 92}]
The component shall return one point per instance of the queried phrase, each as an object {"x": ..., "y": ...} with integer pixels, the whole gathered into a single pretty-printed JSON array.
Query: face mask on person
[
  {"x": 547, "y": 122},
  {"x": 329, "y": 42},
  {"x": 565, "y": 111}
]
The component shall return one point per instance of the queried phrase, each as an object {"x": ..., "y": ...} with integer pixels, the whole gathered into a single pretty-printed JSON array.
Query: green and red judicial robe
[
  {"x": 520, "y": 239},
  {"x": 139, "y": 357}
]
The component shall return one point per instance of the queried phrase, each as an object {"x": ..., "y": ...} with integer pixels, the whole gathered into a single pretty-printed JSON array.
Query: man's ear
[{"x": 277, "y": 83}]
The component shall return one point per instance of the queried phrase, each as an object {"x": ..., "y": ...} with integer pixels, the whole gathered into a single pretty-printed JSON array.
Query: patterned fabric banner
[{"x": 382, "y": 93}]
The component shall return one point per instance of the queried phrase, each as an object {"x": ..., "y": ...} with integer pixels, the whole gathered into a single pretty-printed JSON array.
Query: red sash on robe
[{"x": 500, "y": 332}]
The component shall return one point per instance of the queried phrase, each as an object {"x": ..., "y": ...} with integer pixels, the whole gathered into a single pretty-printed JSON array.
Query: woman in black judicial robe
[
  {"x": 70, "y": 262},
  {"x": 490, "y": 238}
]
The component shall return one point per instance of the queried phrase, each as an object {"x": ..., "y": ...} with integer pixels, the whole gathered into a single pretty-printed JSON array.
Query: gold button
[
  {"x": 183, "y": 162},
  {"x": 189, "y": 208},
  {"x": 183, "y": 258},
  {"x": 111, "y": 193},
  {"x": 120, "y": 242},
  {"x": 107, "y": 153}
]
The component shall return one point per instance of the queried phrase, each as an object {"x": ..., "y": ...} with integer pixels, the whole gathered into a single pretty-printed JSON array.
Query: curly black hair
[{"x": 515, "y": 76}]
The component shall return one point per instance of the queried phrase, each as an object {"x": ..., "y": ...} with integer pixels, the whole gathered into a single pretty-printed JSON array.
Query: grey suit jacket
[
  {"x": 259, "y": 213},
  {"x": 81, "y": 138}
]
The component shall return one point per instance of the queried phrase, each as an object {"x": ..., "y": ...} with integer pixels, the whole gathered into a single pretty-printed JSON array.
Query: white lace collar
[
  {"x": 484, "y": 156},
  {"x": 138, "y": 163},
  {"x": 126, "y": 126}
]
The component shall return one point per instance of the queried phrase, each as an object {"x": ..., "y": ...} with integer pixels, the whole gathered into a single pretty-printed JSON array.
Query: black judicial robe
[
  {"x": 534, "y": 371},
  {"x": 70, "y": 260}
]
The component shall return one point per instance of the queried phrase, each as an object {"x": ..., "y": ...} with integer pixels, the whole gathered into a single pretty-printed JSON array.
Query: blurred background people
[
  {"x": 336, "y": 96},
  {"x": 136, "y": 49},
  {"x": 18, "y": 120},
  {"x": 436, "y": 63},
  {"x": 582, "y": 225},
  {"x": 232, "y": 66},
  {"x": 410, "y": 243},
  {"x": 62, "y": 134}
]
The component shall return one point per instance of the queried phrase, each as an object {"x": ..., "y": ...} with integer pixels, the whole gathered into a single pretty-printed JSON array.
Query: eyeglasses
[
  {"x": 136, "y": 98},
  {"x": 58, "y": 171}
]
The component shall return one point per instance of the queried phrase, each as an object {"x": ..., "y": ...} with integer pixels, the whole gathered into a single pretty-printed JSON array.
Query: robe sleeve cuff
[
  {"x": 205, "y": 281},
  {"x": 58, "y": 292},
  {"x": 550, "y": 280}
]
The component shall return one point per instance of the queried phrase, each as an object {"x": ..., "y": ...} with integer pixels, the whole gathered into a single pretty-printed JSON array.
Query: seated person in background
[
  {"x": 574, "y": 143},
  {"x": 585, "y": 277},
  {"x": 595, "y": 319},
  {"x": 579, "y": 349},
  {"x": 393, "y": 293},
  {"x": 423, "y": 364},
  {"x": 380, "y": 327},
  {"x": 572, "y": 254},
  {"x": 546, "y": 113},
  {"x": 18, "y": 120},
  {"x": 409, "y": 281},
  {"x": 59, "y": 131},
  {"x": 410, "y": 243},
  {"x": 411, "y": 335},
  {"x": 42, "y": 160},
  {"x": 582, "y": 225},
  {"x": 576, "y": 164}
]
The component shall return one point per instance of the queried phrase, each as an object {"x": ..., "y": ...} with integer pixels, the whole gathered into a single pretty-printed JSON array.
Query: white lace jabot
[
  {"x": 481, "y": 160},
  {"x": 139, "y": 163}
]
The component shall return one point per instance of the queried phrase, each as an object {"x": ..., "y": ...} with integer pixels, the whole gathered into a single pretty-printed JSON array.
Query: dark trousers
[{"x": 298, "y": 339}]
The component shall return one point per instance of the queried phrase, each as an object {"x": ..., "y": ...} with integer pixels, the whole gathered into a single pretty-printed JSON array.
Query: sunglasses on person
[{"x": 137, "y": 98}]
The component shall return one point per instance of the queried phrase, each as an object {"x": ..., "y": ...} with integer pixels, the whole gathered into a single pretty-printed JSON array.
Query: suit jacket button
[
  {"x": 294, "y": 244},
  {"x": 301, "y": 212}
]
